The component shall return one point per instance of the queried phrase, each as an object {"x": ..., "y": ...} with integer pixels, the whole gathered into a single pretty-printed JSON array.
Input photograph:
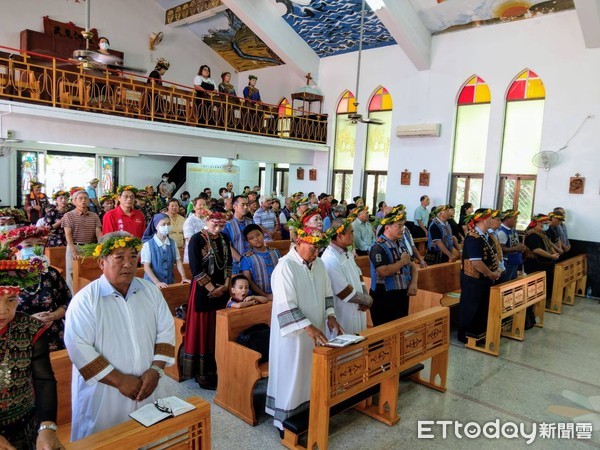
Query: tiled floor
[{"x": 555, "y": 370}]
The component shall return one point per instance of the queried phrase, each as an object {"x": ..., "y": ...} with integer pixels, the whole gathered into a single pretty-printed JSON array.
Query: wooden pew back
[
  {"x": 63, "y": 369},
  {"x": 341, "y": 373},
  {"x": 238, "y": 366},
  {"x": 440, "y": 278},
  {"x": 364, "y": 265},
  {"x": 56, "y": 256},
  {"x": 570, "y": 277},
  {"x": 283, "y": 245}
]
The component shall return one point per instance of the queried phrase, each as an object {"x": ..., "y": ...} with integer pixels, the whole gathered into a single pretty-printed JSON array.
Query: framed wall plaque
[
  {"x": 299, "y": 173},
  {"x": 424, "y": 178},
  {"x": 312, "y": 174},
  {"x": 405, "y": 178},
  {"x": 576, "y": 184}
]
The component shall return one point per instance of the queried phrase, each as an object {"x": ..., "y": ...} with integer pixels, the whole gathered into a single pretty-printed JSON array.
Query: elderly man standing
[
  {"x": 194, "y": 224},
  {"x": 363, "y": 231},
  {"x": 124, "y": 217},
  {"x": 421, "y": 218},
  {"x": 336, "y": 211},
  {"x": 119, "y": 335},
  {"x": 350, "y": 296},
  {"x": 302, "y": 306},
  {"x": 81, "y": 227},
  {"x": 266, "y": 218},
  {"x": 92, "y": 191}
]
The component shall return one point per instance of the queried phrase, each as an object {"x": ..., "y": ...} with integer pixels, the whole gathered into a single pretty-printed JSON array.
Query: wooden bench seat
[
  {"x": 342, "y": 376},
  {"x": 570, "y": 278},
  {"x": 283, "y": 245},
  {"x": 238, "y": 366},
  {"x": 511, "y": 300}
]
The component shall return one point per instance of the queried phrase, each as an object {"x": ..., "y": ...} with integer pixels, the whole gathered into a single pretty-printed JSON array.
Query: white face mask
[
  {"x": 545, "y": 227},
  {"x": 164, "y": 230},
  {"x": 7, "y": 227},
  {"x": 104, "y": 45},
  {"x": 165, "y": 179}
]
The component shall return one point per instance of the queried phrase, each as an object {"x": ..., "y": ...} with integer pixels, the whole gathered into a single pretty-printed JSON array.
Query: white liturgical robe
[
  {"x": 346, "y": 281},
  {"x": 105, "y": 331},
  {"x": 301, "y": 296}
]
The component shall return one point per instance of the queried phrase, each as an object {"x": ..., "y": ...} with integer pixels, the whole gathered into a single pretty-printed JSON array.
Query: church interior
[{"x": 493, "y": 102}]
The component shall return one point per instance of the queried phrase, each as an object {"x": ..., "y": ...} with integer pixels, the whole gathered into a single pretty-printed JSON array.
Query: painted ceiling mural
[
  {"x": 440, "y": 16},
  {"x": 332, "y": 27}
]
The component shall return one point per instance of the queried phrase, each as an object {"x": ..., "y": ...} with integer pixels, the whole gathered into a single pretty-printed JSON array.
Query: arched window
[
  {"x": 523, "y": 121},
  {"x": 470, "y": 142},
  {"x": 285, "y": 117},
  {"x": 343, "y": 154},
  {"x": 378, "y": 147}
]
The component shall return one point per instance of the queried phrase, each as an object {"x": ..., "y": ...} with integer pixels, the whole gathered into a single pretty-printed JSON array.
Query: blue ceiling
[{"x": 332, "y": 27}]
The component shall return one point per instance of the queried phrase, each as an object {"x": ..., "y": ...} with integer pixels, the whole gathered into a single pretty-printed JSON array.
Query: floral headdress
[
  {"x": 12, "y": 238},
  {"x": 126, "y": 187},
  {"x": 477, "y": 216},
  {"x": 393, "y": 217},
  {"x": 76, "y": 189},
  {"x": 18, "y": 274},
  {"x": 310, "y": 212},
  {"x": 61, "y": 193},
  {"x": 496, "y": 213},
  {"x": 36, "y": 184},
  {"x": 218, "y": 216},
  {"x": 106, "y": 197},
  {"x": 17, "y": 214},
  {"x": 302, "y": 201},
  {"x": 397, "y": 209},
  {"x": 112, "y": 243},
  {"x": 148, "y": 187},
  {"x": 312, "y": 236},
  {"x": 356, "y": 211},
  {"x": 341, "y": 229},
  {"x": 510, "y": 213},
  {"x": 558, "y": 216},
  {"x": 538, "y": 218}
]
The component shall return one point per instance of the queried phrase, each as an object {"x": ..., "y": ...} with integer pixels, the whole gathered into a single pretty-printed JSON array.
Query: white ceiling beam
[
  {"x": 406, "y": 28},
  {"x": 262, "y": 18},
  {"x": 588, "y": 12}
]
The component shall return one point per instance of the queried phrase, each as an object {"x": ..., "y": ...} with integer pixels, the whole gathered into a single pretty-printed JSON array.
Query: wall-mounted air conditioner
[{"x": 420, "y": 130}]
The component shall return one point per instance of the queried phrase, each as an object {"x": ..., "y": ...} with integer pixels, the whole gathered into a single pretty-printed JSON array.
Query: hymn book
[
  {"x": 343, "y": 340},
  {"x": 161, "y": 409}
]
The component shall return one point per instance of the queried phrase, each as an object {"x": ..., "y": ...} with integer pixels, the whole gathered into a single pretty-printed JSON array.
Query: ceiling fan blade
[{"x": 372, "y": 121}]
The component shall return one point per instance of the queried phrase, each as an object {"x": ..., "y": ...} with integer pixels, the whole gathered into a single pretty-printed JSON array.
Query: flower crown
[
  {"x": 356, "y": 211},
  {"x": 61, "y": 194},
  {"x": 510, "y": 213},
  {"x": 17, "y": 214},
  {"x": 312, "y": 236},
  {"x": 302, "y": 201},
  {"x": 477, "y": 216},
  {"x": 106, "y": 197},
  {"x": 76, "y": 189},
  {"x": 558, "y": 216},
  {"x": 110, "y": 244},
  {"x": 126, "y": 187},
  {"x": 393, "y": 217},
  {"x": 13, "y": 237},
  {"x": 18, "y": 274},
  {"x": 346, "y": 223},
  {"x": 398, "y": 208}
]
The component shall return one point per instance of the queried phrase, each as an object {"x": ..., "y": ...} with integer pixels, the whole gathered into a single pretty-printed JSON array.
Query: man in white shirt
[
  {"x": 193, "y": 224},
  {"x": 120, "y": 335},
  {"x": 364, "y": 236}
]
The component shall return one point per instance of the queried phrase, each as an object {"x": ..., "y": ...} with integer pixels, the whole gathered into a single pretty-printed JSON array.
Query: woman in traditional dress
[
  {"x": 210, "y": 263},
  {"x": 540, "y": 254},
  {"x": 53, "y": 219},
  {"x": 47, "y": 301},
  {"x": 27, "y": 384},
  {"x": 35, "y": 203}
]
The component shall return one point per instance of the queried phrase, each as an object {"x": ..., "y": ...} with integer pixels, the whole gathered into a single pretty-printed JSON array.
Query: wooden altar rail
[
  {"x": 511, "y": 299},
  {"x": 339, "y": 374},
  {"x": 190, "y": 430},
  {"x": 31, "y": 77},
  {"x": 238, "y": 366},
  {"x": 570, "y": 278}
]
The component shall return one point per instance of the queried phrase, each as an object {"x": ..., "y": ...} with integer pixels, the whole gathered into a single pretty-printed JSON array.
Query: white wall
[
  {"x": 153, "y": 167},
  {"x": 127, "y": 24},
  {"x": 552, "y": 46}
]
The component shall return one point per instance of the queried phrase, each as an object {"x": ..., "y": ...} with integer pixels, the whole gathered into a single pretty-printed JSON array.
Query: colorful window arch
[
  {"x": 381, "y": 100},
  {"x": 285, "y": 107},
  {"x": 346, "y": 104},
  {"x": 474, "y": 91},
  {"x": 526, "y": 86}
]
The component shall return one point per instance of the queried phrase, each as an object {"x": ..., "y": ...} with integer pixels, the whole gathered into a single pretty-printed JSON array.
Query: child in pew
[
  {"x": 159, "y": 253},
  {"x": 258, "y": 263},
  {"x": 240, "y": 288}
]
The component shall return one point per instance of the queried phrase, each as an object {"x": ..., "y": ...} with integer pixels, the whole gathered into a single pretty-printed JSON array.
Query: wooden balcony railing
[{"x": 31, "y": 77}]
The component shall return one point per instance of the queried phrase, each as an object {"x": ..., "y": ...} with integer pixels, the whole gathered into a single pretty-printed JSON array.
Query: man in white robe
[
  {"x": 350, "y": 296},
  {"x": 302, "y": 304},
  {"x": 120, "y": 335}
]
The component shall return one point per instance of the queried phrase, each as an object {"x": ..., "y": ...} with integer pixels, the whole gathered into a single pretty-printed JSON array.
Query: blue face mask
[
  {"x": 27, "y": 252},
  {"x": 545, "y": 227},
  {"x": 7, "y": 227}
]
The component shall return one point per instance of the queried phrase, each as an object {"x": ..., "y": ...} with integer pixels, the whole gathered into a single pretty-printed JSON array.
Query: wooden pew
[
  {"x": 56, "y": 256},
  {"x": 441, "y": 278},
  {"x": 176, "y": 295},
  {"x": 421, "y": 244},
  {"x": 194, "y": 426},
  {"x": 570, "y": 278},
  {"x": 340, "y": 375},
  {"x": 238, "y": 366},
  {"x": 283, "y": 245},
  {"x": 364, "y": 265},
  {"x": 511, "y": 299}
]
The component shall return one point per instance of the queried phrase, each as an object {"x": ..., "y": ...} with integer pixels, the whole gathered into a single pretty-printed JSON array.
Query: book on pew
[
  {"x": 343, "y": 340},
  {"x": 161, "y": 409}
]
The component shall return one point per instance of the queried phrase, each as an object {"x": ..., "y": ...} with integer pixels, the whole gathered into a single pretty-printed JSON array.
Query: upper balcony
[{"x": 36, "y": 78}]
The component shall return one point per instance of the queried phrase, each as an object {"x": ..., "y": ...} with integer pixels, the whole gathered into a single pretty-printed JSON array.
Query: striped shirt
[
  {"x": 261, "y": 266},
  {"x": 83, "y": 225}
]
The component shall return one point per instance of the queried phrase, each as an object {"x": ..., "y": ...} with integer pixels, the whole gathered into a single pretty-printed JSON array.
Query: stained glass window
[
  {"x": 344, "y": 146},
  {"x": 378, "y": 136},
  {"x": 474, "y": 91},
  {"x": 109, "y": 174},
  {"x": 526, "y": 86},
  {"x": 285, "y": 108},
  {"x": 285, "y": 114},
  {"x": 381, "y": 100},
  {"x": 346, "y": 104},
  {"x": 28, "y": 171}
]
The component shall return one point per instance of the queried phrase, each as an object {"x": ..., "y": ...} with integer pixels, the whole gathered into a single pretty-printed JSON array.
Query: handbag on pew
[
  {"x": 257, "y": 338},
  {"x": 433, "y": 257}
]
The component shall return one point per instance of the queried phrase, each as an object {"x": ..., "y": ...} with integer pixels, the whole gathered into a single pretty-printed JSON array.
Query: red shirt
[{"x": 117, "y": 220}]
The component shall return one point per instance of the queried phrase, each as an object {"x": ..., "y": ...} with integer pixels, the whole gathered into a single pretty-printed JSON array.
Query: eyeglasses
[{"x": 164, "y": 409}]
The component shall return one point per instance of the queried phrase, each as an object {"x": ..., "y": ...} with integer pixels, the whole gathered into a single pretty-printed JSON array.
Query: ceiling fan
[{"x": 356, "y": 116}]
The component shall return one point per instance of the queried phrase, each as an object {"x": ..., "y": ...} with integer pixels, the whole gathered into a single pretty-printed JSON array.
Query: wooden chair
[
  {"x": 56, "y": 256},
  {"x": 341, "y": 376},
  {"x": 511, "y": 299},
  {"x": 238, "y": 366}
]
